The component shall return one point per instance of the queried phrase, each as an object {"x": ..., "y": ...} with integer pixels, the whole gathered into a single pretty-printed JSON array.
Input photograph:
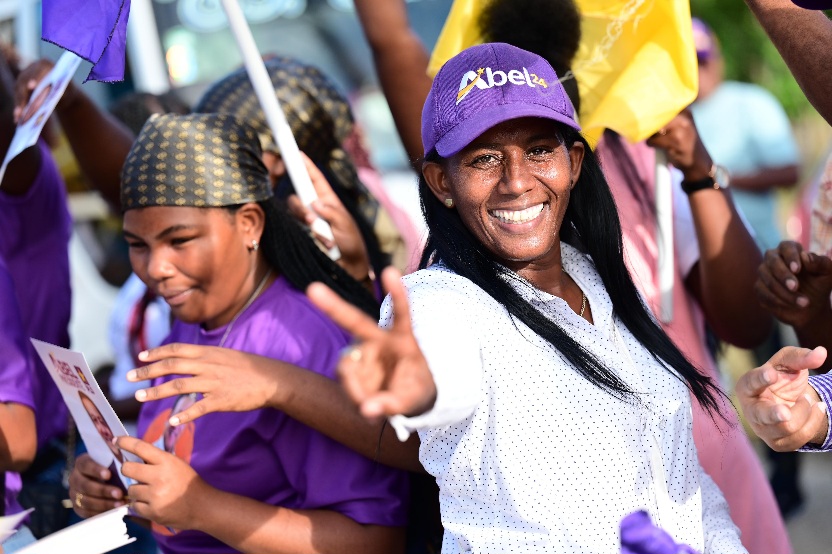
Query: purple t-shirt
[
  {"x": 264, "y": 454},
  {"x": 15, "y": 369},
  {"x": 34, "y": 240}
]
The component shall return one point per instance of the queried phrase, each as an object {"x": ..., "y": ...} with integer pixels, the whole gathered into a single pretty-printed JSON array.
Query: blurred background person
[
  {"x": 35, "y": 227},
  {"x": 748, "y": 133},
  {"x": 18, "y": 435}
]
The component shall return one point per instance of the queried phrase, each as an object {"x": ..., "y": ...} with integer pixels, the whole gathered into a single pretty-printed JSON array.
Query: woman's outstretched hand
[
  {"x": 385, "y": 372},
  {"x": 779, "y": 403},
  {"x": 229, "y": 380}
]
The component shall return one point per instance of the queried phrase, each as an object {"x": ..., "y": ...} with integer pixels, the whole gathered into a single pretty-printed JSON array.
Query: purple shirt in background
[
  {"x": 34, "y": 240},
  {"x": 265, "y": 454},
  {"x": 16, "y": 374}
]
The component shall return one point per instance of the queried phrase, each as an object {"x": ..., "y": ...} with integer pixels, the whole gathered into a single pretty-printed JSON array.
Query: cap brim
[
  {"x": 465, "y": 132},
  {"x": 814, "y": 4}
]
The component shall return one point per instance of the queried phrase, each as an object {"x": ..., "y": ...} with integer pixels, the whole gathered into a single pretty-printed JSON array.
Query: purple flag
[
  {"x": 95, "y": 30},
  {"x": 640, "y": 536}
]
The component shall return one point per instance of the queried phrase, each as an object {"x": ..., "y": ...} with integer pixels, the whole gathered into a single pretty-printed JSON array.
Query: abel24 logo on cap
[
  {"x": 484, "y": 86},
  {"x": 497, "y": 79}
]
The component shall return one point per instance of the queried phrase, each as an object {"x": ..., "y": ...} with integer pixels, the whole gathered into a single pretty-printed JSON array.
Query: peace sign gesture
[{"x": 385, "y": 373}]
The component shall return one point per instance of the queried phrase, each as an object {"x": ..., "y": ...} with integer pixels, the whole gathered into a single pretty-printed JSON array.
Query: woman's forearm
[
  {"x": 802, "y": 37},
  {"x": 18, "y": 438},
  {"x": 401, "y": 63},
  {"x": 322, "y": 404},
  {"x": 99, "y": 141},
  {"x": 251, "y": 526},
  {"x": 723, "y": 279}
]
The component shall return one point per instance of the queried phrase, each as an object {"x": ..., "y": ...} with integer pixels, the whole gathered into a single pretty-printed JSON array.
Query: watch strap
[{"x": 700, "y": 184}]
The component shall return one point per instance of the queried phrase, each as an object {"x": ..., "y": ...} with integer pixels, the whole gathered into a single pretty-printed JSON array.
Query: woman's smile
[
  {"x": 176, "y": 298},
  {"x": 515, "y": 217}
]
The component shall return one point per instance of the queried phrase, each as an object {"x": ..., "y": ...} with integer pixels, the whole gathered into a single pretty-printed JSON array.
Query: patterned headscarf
[
  {"x": 197, "y": 160},
  {"x": 318, "y": 114}
]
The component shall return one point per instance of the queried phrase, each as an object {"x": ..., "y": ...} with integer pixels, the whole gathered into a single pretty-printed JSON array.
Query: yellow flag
[{"x": 636, "y": 64}]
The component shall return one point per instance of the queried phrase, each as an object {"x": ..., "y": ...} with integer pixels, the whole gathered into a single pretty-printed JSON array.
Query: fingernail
[
  {"x": 802, "y": 301},
  {"x": 141, "y": 394},
  {"x": 808, "y": 399},
  {"x": 174, "y": 420},
  {"x": 780, "y": 417},
  {"x": 821, "y": 406},
  {"x": 105, "y": 474},
  {"x": 118, "y": 504},
  {"x": 132, "y": 375},
  {"x": 791, "y": 284},
  {"x": 371, "y": 409},
  {"x": 143, "y": 355},
  {"x": 114, "y": 440},
  {"x": 794, "y": 267},
  {"x": 116, "y": 493}
]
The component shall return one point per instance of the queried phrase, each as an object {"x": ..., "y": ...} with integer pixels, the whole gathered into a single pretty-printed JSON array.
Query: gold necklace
[
  {"x": 583, "y": 304},
  {"x": 251, "y": 299}
]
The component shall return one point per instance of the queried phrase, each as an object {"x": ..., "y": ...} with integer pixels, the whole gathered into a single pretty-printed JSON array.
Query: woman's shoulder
[{"x": 438, "y": 283}]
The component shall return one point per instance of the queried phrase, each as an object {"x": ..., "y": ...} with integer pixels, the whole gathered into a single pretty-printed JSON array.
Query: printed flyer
[
  {"x": 94, "y": 417},
  {"x": 41, "y": 105}
]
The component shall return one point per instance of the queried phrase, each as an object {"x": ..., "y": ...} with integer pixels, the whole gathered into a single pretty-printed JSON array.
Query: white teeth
[{"x": 521, "y": 216}]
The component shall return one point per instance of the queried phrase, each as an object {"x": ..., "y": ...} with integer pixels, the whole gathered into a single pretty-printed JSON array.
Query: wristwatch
[{"x": 718, "y": 178}]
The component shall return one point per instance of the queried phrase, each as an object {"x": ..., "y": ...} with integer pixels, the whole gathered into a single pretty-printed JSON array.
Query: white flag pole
[
  {"x": 274, "y": 115},
  {"x": 664, "y": 236}
]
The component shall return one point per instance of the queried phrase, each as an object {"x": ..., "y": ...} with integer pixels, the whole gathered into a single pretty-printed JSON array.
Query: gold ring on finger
[{"x": 79, "y": 497}]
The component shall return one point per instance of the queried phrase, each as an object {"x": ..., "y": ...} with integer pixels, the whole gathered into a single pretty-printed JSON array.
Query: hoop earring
[{"x": 449, "y": 202}]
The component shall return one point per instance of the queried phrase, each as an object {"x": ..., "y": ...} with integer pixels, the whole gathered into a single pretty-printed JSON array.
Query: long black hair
[
  {"x": 590, "y": 224},
  {"x": 289, "y": 250}
]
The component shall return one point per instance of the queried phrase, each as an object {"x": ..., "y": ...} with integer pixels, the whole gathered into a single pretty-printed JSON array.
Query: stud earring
[
  {"x": 254, "y": 245},
  {"x": 449, "y": 202}
]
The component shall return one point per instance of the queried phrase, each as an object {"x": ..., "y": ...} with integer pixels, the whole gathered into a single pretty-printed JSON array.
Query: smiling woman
[
  {"x": 206, "y": 234},
  {"x": 548, "y": 401}
]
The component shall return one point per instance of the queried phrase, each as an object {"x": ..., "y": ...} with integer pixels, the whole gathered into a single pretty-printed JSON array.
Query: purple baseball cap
[
  {"x": 814, "y": 4},
  {"x": 703, "y": 39},
  {"x": 484, "y": 86}
]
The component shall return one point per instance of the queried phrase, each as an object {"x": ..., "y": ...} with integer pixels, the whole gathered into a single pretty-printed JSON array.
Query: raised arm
[
  {"x": 99, "y": 141},
  {"x": 401, "y": 63},
  {"x": 802, "y": 37},
  {"x": 723, "y": 278},
  {"x": 21, "y": 172}
]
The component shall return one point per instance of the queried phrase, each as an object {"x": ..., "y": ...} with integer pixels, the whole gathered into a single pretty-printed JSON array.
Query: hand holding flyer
[
  {"x": 41, "y": 105},
  {"x": 96, "y": 421}
]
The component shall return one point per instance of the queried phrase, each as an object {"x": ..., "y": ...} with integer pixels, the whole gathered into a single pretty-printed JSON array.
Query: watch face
[{"x": 721, "y": 176}]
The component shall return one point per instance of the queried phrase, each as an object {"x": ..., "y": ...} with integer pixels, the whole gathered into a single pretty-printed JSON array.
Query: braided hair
[{"x": 289, "y": 250}]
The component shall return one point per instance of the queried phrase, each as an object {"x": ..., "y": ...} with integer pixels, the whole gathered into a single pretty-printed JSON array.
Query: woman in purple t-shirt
[{"x": 206, "y": 235}]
